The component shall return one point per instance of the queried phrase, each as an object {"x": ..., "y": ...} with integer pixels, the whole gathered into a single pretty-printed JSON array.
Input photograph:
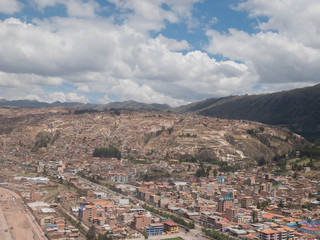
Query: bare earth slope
[{"x": 56, "y": 133}]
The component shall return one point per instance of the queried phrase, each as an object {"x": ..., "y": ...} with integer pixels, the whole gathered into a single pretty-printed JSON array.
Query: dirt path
[
  {"x": 4, "y": 227},
  {"x": 21, "y": 223}
]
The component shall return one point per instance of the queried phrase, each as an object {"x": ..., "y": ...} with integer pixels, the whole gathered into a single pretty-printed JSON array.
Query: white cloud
[
  {"x": 69, "y": 97},
  {"x": 152, "y": 15},
  {"x": 10, "y": 6},
  {"x": 285, "y": 50},
  {"x": 96, "y": 55},
  {"x": 173, "y": 44},
  {"x": 130, "y": 90},
  {"x": 75, "y": 8},
  {"x": 295, "y": 19}
]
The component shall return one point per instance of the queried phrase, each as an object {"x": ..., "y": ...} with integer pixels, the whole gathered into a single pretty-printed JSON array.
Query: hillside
[
  {"x": 298, "y": 109},
  {"x": 56, "y": 133}
]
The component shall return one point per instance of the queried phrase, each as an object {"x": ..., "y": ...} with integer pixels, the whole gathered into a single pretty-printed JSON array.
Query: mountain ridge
[{"x": 297, "y": 109}]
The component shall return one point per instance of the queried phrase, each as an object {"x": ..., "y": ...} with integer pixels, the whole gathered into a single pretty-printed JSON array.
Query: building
[
  {"x": 256, "y": 215},
  {"x": 87, "y": 213},
  {"x": 246, "y": 202},
  {"x": 230, "y": 214},
  {"x": 224, "y": 203},
  {"x": 122, "y": 177},
  {"x": 141, "y": 221},
  {"x": 268, "y": 234},
  {"x": 204, "y": 218},
  {"x": 155, "y": 229},
  {"x": 286, "y": 233},
  {"x": 171, "y": 227},
  {"x": 221, "y": 179}
]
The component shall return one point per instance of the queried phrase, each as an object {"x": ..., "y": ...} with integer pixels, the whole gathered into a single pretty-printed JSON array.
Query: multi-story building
[
  {"x": 141, "y": 221},
  {"x": 204, "y": 218},
  {"x": 285, "y": 233},
  {"x": 154, "y": 229},
  {"x": 212, "y": 221},
  {"x": 87, "y": 213},
  {"x": 230, "y": 214},
  {"x": 224, "y": 203},
  {"x": 256, "y": 215},
  {"x": 122, "y": 177},
  {"x": 269, "y": 234},
  {"x": 221, "y": 179},
  {"x": 246, "y": 202},
  {"x": 171, "y": 227}
]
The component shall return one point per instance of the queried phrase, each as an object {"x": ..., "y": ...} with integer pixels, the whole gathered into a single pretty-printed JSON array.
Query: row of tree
[
  {"x": 216, "y": 235},
  {"x": 176, "y": 219}
]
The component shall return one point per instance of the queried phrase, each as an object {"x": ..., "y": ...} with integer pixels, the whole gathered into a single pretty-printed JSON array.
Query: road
[{"x": 21, "y": 223}]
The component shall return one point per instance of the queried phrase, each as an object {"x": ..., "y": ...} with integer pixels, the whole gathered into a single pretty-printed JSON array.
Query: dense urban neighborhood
[{"x": 153, "y": 175}]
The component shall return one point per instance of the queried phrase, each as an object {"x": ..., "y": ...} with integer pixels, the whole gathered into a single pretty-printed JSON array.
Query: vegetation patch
[{"x": 107, "y": 152}]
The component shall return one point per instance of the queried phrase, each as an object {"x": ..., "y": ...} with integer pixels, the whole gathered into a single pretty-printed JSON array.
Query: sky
[{"x": 156, "y": 51}]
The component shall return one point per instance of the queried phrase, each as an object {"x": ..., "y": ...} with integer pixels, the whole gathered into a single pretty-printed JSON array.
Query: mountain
[
  {"x": 34, "y": 104},
  {"x": 127, "y": 105},
  {"x": 56, "y": 133},
  {"x": 297, "y": 109}
]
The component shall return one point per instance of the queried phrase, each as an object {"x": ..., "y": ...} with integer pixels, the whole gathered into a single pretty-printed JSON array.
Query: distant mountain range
[
  {"x": 297, "y": 109},
  {"x": 128, "y": 105}
]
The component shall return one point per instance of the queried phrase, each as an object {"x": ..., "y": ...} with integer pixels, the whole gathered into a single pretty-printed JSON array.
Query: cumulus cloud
[
  {"x": 286, "y": 47},
  {"x": 10, "y": 6},
  {"x": 75, "y": 8},
  {"x": 97, "y": 55},
  {"x": 145, "y": 15},
  {"x": 66, "y": 97}
]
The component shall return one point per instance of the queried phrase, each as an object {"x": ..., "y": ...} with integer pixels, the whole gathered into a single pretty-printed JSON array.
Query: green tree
[
  {"x": 208, "y": 171},
  {"x": 215, "y": 172},
  {"x": 91, "y": 235},
  {"x": 265, "y": 204},
  {"x": 258, "y": 205},
  {"x": 281, "y": 205}
]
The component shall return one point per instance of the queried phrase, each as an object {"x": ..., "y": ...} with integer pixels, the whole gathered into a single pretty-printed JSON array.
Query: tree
[
  {"x": 208, "y": 171},
  {"x": 104, "y": 237},
  {"x": 261, "y": 161},
  {"x": 265, "y": 204},
  {"x": 258, "y": 205},
  {"x": 215, "y": 172},
  {"x": 200, "y": 172},
  {"x": 110, "y": 151},
  {"x": 281, "y": 205},
  {"x": 91, "y": 235}
]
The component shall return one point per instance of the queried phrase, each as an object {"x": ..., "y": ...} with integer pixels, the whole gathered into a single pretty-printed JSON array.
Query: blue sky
[{"x": 163, "y": 51}]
